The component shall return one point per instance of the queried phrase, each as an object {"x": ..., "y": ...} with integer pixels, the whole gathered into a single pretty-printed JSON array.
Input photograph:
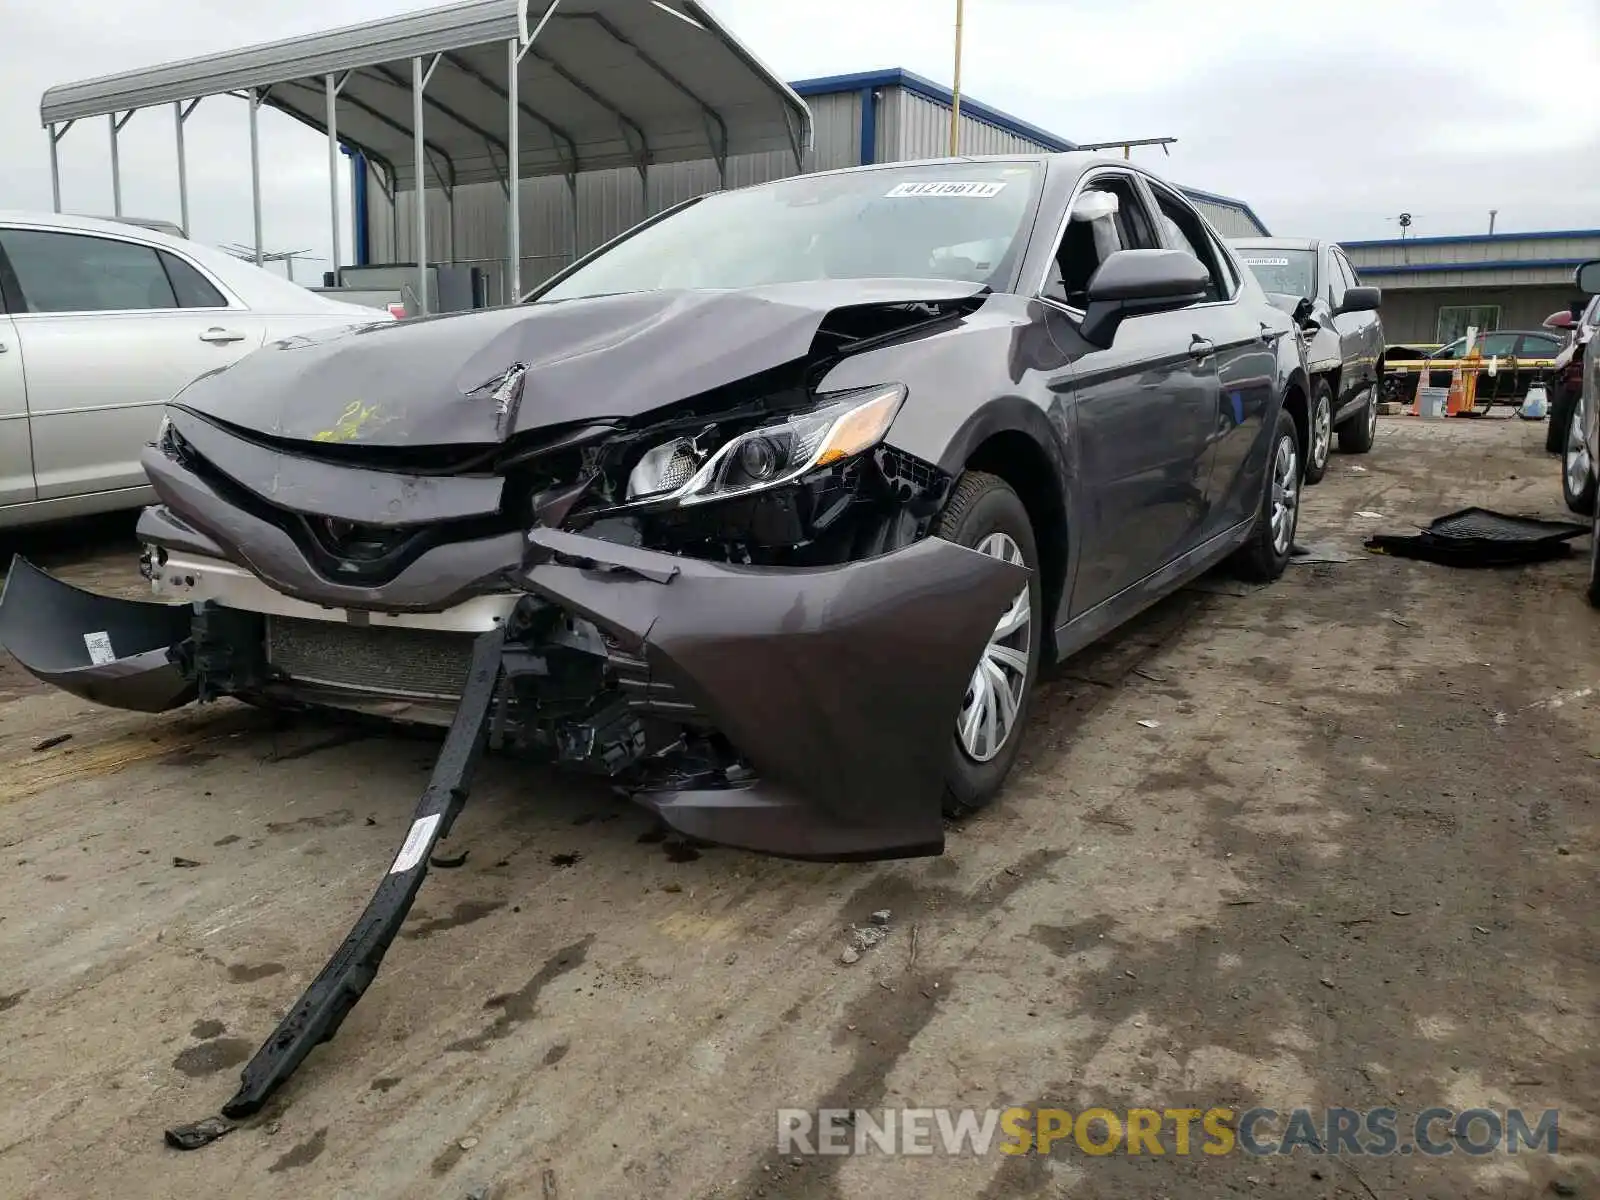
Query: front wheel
[
  {"x": 1358, "y": 433},
  {"x": 1266, "y": 554},
  {"x": 984, "y": 514},
  {"x": 1321, "y": 440}
]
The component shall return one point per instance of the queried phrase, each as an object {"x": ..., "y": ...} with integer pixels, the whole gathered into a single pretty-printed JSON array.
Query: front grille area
[{"x": 413, "y": 663}]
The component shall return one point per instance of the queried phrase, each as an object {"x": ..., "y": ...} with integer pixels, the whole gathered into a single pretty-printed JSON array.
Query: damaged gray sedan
[{"x": 770, "y": 510}]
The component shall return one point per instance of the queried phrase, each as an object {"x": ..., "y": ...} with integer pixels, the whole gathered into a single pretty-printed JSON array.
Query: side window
[
  {"x": 1228, "y": 281},
  {"x": 75, "y": 272},
  {"x": 1187, "y": 232},
  {"x": 1336, "y": 280},
  {"x": 1107, "y": 216},
  {"x": 1351, "y": 279},
  {"x": 1536, "y": 345},
  {"x": 192, "y": 289},
  {"x": 1497, "y": 345}
]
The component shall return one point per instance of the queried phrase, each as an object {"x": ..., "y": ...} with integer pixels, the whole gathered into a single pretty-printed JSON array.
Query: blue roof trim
[
  {"x": 1230, "y": 202},
  {"x": 1543, "y": 235},
  {"x": 911, "y": 82},
  {"x": 1503, "y": 264}
]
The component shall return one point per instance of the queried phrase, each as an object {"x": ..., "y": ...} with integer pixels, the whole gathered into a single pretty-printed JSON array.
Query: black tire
[
  {"x": 1264, "y": 557},
  {"x": 1319, "y": 438},
  {"x": 981, "y": 505},
  {"x": 1562, "y": 401},
  {"x": 1356, "y": 435}
]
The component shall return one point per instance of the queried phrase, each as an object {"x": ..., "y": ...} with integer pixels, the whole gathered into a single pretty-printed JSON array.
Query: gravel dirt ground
[{"x": 1352, "y": 863}]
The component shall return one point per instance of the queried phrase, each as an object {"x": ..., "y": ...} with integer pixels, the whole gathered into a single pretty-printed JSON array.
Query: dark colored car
[
  {"x": 1314, "y": 283},
  {"x": 1580, "y": 455},
  {"x": 769, "y": 510},
  {"x": 1566, "y": 376}
]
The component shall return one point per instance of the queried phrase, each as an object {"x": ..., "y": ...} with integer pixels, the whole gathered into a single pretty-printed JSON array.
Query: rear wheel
[
  {"x": 1579, "y": 476},
  {"x": 1358, "y": 433},
  {"x": 1266, "y": 554},
  {"x": 1321, "y": 440},
  {"x": 984, "y": 514}
]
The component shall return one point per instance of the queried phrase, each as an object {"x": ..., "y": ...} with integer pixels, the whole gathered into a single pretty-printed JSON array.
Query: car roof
[
  {"x": 1275, "y": 243},
  {"x": 257, "y": 288}
]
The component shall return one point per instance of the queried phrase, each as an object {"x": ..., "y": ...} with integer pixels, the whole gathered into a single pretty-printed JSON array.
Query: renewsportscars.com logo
[{"x": 1165, "y": 1131}]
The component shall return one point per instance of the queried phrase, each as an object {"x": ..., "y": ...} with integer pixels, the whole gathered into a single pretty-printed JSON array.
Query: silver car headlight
[{"x": 769, "y": 455}]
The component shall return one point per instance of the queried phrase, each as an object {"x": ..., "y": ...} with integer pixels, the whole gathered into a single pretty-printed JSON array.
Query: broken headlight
[{"x": 769, "y": 455}]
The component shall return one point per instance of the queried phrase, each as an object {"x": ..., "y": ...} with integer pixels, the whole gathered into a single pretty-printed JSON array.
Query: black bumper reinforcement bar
[{"x": 318, "y": 1013}]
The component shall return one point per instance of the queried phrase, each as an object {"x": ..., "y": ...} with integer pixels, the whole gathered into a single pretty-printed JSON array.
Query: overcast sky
[{"x": 1328, "y": 119}]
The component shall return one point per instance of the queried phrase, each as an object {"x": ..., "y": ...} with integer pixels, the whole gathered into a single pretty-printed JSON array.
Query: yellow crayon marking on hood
[{"x": 350, "y": 423}]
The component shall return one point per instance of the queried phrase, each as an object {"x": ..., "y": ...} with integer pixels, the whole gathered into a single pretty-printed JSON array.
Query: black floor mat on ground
[{"x": 1476, "y": 537}]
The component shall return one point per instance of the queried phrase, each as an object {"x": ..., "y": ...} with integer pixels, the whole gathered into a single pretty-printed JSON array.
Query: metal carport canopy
[{"x": 605, "y": 83}]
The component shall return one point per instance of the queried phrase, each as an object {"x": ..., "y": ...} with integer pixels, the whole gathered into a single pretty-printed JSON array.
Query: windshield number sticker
[
  {"x": 977, "y": 188},
  {"x": 1266, "y": 262},
  {"x": 99, "y": 647}
]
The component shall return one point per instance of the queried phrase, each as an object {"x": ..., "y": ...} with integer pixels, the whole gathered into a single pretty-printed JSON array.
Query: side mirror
[
  {"x": 1361, "y": 299},
  {"x": 1588, "y": 277},
  {"x": 1131, "y": 282}
]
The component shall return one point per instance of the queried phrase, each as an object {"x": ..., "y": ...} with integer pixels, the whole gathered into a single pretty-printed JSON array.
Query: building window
[{"x": 1456, "y": 319}]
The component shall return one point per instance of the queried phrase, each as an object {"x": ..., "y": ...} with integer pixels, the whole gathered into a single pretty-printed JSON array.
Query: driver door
[{"x": 1143, "y": 410}]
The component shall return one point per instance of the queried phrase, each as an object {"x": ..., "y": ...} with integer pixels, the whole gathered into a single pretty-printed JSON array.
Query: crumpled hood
[{"x": 429, "y": 382}]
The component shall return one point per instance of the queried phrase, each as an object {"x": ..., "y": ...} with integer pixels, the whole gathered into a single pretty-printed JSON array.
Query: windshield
[
  {"x": 963, "y": 221},
  {"x": 1291, "y": 272}
]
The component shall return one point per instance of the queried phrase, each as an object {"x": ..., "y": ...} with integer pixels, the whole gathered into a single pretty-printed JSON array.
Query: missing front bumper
[{"x": 838, "y": 686}]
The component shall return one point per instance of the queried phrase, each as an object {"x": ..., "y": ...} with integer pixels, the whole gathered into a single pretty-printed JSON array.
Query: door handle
[
  {"x": 218, "y": 335},
  {"x": 1201, "y": 348}
]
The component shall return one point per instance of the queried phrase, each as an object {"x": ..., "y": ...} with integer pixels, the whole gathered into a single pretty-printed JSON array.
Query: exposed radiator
[{"x": 414, "y": 663}]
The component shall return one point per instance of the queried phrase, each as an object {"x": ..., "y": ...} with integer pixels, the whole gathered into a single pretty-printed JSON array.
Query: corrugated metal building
[
  {"x": 1435, "y": 287},
  {"x": 879, "y": 116}
]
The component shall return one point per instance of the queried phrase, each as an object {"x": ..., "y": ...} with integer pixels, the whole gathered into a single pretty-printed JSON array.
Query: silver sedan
[{"x": 101, "y": 323}]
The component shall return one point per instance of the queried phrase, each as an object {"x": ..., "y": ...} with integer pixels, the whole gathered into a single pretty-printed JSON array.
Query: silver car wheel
[
  {"x": 1577, "y": 464},
  {"x": 1321, "y": 432},
  {"x": 1372, "y": 418},
  {"x": 1285, "y": 495},
  {"x": 994, "y": 697}
]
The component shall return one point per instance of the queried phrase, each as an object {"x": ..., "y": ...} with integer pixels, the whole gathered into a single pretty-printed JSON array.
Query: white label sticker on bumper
[
  {"x": 99, "y": 647},
  {"x": 416, "y": 845},
  {"x": 978, "y": 188}
]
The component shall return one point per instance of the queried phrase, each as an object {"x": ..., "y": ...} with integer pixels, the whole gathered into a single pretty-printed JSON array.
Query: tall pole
[
  {"x": 255, "y": 169},
  {"x": 513, "y": 164},
  {"x": 55, "y": 167},
  {"x": 183, "y": 168},
  {"x": 420, "y": 197},
  {"x": 116, "y": 169},
  {"x": 955, "y": 91},
  {"x": 332, "y": 91}
]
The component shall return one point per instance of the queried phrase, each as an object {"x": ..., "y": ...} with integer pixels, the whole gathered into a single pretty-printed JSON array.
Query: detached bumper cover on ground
[{"x": 837, "y": 685}]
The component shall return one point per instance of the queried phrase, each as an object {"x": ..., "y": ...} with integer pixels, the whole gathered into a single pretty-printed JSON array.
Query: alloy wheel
[
  {"x": 1575, "y": 461},
  {"x": 1372, "y": 418},
  {"x": 1321, "y": 432},
  {"x": 994, "y": 697},
  {"x": 1285, "y": 494}
]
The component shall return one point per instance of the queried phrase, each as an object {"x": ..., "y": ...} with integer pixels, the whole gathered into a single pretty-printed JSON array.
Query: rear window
[{"x": 1287, "y": 272}]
